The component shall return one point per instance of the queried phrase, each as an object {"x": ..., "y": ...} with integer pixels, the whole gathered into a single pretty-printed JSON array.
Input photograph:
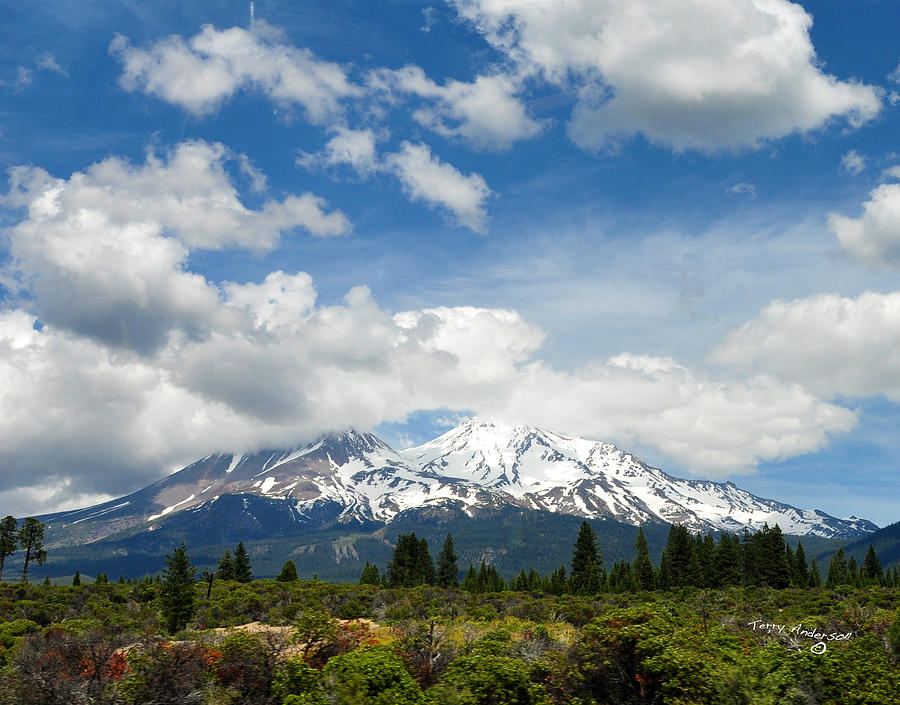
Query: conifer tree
[
  {"x": 791, "y": 562},
  {"x": 642, "y": 567},
  {"x": 748, "y": 559},
  {"x": 815, "y": 576},
  {"x": 225, "y": 567},
  {"x": 76, "y": 581},
  {"x": 519, "y": 583},
  {"x": 177, "y": 592},
  {"x": 695, "y": 572},
  {"x": 773, "y": 567},
  {"x": 838, "y": 572},
  {"x": 679, "y": 550},
  {"x": 288, "y": 572},
  {"x": 493, "y": 580},
  {"x": 447, "y": 567},
  {"x": 727, "y": 560},
  {"x": 534, "y": 581},
  {"x": 483, "y": 577},
  {"x": 369, "y": 575},
  {"x": 243, "y": 573},
  {"x": 410, "y": 564},
  {"x": 424, "y": 564},
  {"x": 31, "y": 540},
  {"x": 621, "y": 577},
  {"x": 470, "y": 582},
  {"x": 872, "y": 566},
  {"x": 706, "y": 555},
  {"x": 8, "y": 539},
  {"x": 558, "y": 584},
  {"x": 587, "y": 577},
  {"x": 853, "y": 570},
  {"x": 801, "y": 570},
  {"x": 664, "y": 576}
]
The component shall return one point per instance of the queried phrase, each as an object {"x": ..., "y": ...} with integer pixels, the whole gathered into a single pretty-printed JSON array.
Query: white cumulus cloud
[
  {"x": 832, "y": 345},
  {"x": 854, "y": 162},
  {"x": 103, "y": 252},
  {"x": 689, "y": 74},
  {"x": 427, "y": 178},
  {"x": 200, "y": 73},
  {"x": 485, "y": 113},
  {"x": 874, "y": 237},
  {"x": 353, "y": 148}
]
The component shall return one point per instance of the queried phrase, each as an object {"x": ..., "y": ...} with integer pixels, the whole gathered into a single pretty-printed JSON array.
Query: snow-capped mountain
[
  {"x": 354, "y": 477},
  {"x": 556, "y": 473}
]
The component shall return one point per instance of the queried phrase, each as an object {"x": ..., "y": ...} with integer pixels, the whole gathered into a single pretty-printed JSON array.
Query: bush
[
  {"x": 297, "y": 683},
  {"x": 894, "y": 634},
  {"x": 372, "y": 675},
  {"x": 166, "y": 673},
  {"x": 483, "y": 679},
  {"x": 247, "y": 666}
]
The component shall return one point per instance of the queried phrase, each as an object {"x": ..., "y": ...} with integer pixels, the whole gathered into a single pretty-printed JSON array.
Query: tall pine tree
[
  {"x": 243, "y": 573},
  {"x": 773, "y": 568},
  {"x": 679, "y": 551},
  {"x": 411, "y": 563},
  {"x": 871, "y": 566},
  {"x": 369, "y": 575},
  {"x": 31, "y": 540},
  {"x": 447, "y": 566},
  {"x": 801, "y": 570},
  {"x": 838, "y": 572},
  {"x": 225, "y": 567},
  {"x": 642, "y": 567},
  {"x": 587, "y": 576},
  {"x": 727, "y": 559},
  {"x": 177, "y": 591},
  {"x": 815, "y": 576},
  {"x": 288, "y": 573},
  {"x": 424, "y": 564},
  {"x": 8, "y": 540}
]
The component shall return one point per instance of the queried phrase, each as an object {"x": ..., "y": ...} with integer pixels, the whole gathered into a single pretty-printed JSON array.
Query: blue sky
[{"x": 670, "y": 225}]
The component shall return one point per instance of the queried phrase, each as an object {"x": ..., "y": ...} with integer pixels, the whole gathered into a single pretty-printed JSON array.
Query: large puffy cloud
[
  {"x": 485, "y": 112},
  {"x": 201, "y": 73},
  {"x": 103, "y": 252},
  {"x": 874, "y": 238},
  {"x": 691, "y": 74},
  {"x": 832, "y": 345},
  {"x": 79, "y": 410},
  {"x": 427, "y": 178},
  {"x": 712, "y": 427}
]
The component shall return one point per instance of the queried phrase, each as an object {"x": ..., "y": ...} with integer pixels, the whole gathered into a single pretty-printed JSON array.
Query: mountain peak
[{"x": 480, "y": 464}]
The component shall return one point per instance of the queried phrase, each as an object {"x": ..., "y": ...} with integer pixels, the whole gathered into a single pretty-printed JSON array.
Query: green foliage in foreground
[{"x": 428, "y": 645}]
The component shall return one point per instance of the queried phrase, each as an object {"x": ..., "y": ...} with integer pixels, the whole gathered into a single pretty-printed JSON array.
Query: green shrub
[
  {"x": 297, "y": 683},
  {"x": 372, "y": 675},
  {"x": 484, "y": 679}
]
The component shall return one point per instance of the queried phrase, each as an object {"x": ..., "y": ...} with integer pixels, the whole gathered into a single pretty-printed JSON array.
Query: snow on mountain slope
[
  {"x": 557, "y": 473},
  {"x": 478, "y": 465}
]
